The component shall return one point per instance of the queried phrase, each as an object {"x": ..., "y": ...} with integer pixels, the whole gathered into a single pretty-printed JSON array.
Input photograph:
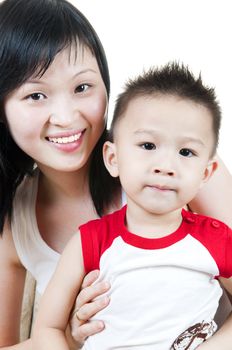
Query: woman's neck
[
  {"x": 57, "y": 184},
  {"x": 63, "y": 204}
]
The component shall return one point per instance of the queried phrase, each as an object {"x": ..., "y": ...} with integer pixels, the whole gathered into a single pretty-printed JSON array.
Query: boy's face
[{"x": 161, "y": 152}]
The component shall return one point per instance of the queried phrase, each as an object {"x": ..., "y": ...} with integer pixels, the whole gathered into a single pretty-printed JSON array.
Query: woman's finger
[
  {"x": 80, "y": 327},
  {"x": 86, "y": 330},
  {"x": 86, "y": 306},
  {"x": 86, "y": 311},
  {"x": 90, "y": 278},
  {"x": 89, "y": 293}
]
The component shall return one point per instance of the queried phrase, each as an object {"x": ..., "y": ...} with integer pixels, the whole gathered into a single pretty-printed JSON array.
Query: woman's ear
[
  {"x": 110, "y": 158},
  {"x": 209, "y": 170}
]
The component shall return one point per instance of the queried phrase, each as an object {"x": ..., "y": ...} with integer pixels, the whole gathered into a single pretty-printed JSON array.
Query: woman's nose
[
  {"x": 61, "y": 118},
  {"x": 63, "y": 112}
]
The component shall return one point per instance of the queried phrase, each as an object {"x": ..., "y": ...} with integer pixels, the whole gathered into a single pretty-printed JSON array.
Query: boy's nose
[
  {"x": 163, "y": 171},
  {"x": 165, "y": 162}
]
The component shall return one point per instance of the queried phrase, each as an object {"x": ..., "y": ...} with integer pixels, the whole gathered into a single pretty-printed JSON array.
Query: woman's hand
[{"x": 86, "y": 307}]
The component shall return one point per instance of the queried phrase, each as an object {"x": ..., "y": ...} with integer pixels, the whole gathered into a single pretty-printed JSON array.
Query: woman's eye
[
  {"x": 81, "y": 88},
  {"x": 148, "y": 146},
  {"x": 36, "y": 96},
  {"x": 185, "y": 152}
]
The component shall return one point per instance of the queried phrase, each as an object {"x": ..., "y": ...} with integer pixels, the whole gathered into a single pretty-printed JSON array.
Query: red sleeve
[
  {"x": 97, "y": 236},
  {"x": 228, "y": 255},
  {"x": 90, "y": 246},
  {"x": 217, "y": 238}
]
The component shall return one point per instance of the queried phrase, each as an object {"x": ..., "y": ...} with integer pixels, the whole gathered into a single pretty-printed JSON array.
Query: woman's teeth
[{"x": 66, "y": 139}]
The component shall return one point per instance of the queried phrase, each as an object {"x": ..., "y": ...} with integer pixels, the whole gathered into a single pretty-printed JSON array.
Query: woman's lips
[
  {"x": 65, "y": 137},
  {"x": 67, "y": 142}
]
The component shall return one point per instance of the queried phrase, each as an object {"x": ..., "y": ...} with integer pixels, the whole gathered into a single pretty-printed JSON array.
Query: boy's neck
[{"x": 150, "y": 225}]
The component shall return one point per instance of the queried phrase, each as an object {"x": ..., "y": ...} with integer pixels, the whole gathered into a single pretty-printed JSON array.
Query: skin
[
  {"x": 175, "y": 165},
  {"x": 69, "y": 99},
  {"x": 172, "y": 160},
  {"x": 219, "y": 192}
]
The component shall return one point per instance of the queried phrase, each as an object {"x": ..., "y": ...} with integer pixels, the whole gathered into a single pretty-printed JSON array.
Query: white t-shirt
[{"x": 160, "y": 287}]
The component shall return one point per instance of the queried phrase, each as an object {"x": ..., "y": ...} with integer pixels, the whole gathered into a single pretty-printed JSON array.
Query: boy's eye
[
  {"x": 148, "y": 146},
  {"x": 185, "y": 152},
  {"x": 36, "y": 96},
  {"x": 81, "y": 88}
]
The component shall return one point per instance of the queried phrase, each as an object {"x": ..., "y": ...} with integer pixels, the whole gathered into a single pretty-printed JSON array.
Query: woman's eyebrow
[{"x": 36, "y": 80}]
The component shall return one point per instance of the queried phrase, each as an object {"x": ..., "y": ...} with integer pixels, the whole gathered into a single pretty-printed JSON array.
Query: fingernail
[
  {"x": 100, "y": 325},
  {"x": 106, "y": 285},
  {"x": 105, "y": 300}
]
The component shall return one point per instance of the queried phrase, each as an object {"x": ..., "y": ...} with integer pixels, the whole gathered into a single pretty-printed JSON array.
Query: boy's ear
[
  {"x": 110, "y": 158},
  {"x": 209, "y": 170}
]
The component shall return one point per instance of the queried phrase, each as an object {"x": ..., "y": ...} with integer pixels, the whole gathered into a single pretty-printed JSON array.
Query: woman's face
[{"x": 58, "y": 118}]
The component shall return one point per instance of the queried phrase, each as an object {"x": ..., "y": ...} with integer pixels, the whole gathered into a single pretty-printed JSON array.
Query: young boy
[{"x": 164, "y": 263}]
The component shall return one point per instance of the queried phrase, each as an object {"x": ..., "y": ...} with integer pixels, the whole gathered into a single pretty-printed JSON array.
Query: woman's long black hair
[{"x": 32, "y": 32}]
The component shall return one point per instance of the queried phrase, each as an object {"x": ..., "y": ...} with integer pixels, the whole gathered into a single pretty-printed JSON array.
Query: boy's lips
[{"x": 162, "y": 188}]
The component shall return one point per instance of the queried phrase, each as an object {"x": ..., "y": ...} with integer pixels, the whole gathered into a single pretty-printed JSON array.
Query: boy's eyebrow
[
  {"x": 145, "y": 131},
  {"x": 184, "y": 139},
  {"x": 195, "y": 140}
]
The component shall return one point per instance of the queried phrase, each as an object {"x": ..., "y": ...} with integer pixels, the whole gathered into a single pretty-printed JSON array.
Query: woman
[{"x": 54, "y": 92}]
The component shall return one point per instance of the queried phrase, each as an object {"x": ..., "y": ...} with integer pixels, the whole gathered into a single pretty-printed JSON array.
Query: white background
[{"x": 139, "y": 33}]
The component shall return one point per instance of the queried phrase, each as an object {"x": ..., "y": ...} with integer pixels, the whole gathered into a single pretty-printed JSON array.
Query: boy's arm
[
  {"x": 215, "y": 197},
  {"x": 222, "y": 339},
  {"x": 58, "y": 299}
]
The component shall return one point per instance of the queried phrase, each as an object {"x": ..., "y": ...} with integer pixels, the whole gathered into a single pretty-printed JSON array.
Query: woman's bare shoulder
[{"x": 215, "y": 197}]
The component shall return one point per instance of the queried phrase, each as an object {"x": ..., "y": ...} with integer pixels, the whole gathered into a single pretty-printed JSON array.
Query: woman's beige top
[{"x": 33, "y": 252}]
